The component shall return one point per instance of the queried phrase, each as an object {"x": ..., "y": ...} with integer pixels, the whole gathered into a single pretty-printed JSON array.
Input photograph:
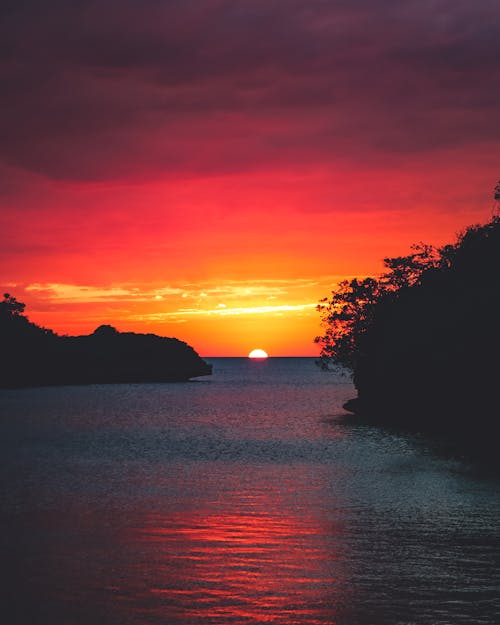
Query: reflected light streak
[{"x": 240, "y": 568}]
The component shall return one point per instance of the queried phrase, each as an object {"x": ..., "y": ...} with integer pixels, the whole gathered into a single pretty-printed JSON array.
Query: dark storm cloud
[{"x": 98, "y": 90}]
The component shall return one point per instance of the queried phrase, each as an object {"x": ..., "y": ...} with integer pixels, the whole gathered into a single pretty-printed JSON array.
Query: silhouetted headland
[
  {"x": 423, "y": 341},
  {"x": 35, "y": 356}
]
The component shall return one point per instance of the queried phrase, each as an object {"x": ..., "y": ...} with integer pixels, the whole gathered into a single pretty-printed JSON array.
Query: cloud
[
  {"x": 226, "y": 312},
  {"x": 115, "y": 90},
  {"x": 75, "y": 293},
  {"x": 130, "y": 304},
  {"x": 209, "y": 291}
]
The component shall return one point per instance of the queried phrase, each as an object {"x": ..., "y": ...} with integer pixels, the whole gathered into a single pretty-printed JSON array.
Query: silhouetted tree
[
  {"x": 406, "y": 271},
  {"x": 10, "y": 306},
  {"x": 422, "y": 340},
  {"x": 105, "y": 330},
  {"x": 346, "y": 317},
  {"x": 357, "y": 306}
]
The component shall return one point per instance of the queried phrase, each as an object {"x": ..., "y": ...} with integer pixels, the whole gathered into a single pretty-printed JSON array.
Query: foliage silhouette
[
  {"x": 422, "y": 342},
  {"x": 35, "y": 356}
]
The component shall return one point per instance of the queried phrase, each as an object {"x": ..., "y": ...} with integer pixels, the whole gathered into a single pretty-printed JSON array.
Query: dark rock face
[{"x": 33, "y": 356}]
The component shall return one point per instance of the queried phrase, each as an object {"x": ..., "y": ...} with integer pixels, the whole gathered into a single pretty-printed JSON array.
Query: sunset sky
[{"x": 210, "y": 169}]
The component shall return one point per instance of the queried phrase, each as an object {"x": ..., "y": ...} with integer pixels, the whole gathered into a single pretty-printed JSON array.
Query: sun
[{"x": 257, "y": 353}]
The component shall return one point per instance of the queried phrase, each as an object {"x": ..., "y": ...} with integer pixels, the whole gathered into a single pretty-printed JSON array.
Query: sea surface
[{"x": 244, "y": 498}]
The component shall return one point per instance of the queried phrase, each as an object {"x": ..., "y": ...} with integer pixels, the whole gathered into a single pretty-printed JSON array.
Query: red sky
[{"x": 211, "y": 169}]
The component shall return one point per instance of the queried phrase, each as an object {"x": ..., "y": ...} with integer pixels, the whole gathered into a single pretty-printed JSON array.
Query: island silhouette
[
  {"x": 422, "y": 342},
  {"x": 36, "y": 356}
]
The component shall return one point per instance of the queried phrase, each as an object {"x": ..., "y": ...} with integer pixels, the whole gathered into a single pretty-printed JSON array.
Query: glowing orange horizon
[
  {"x": 191, "y": 177},
  {"x": 256, "y": 280}
]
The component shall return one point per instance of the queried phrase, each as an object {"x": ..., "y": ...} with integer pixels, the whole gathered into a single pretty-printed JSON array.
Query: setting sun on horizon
[
  {"x": 191, "y": 178},
  {"x": 258, "y": 354}
]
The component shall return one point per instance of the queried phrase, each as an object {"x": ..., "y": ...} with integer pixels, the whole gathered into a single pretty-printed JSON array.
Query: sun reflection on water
[{"x": 251, "y": 567}]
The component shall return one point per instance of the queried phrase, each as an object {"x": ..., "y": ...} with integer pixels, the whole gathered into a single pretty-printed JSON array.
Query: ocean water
[{"x": 244, "y": 498}]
